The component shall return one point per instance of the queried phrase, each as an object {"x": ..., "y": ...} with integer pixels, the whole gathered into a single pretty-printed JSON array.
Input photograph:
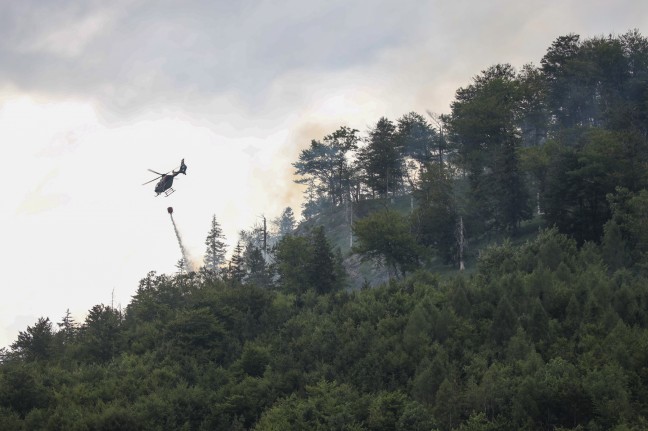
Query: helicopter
[{"x": 166, "y": 180}]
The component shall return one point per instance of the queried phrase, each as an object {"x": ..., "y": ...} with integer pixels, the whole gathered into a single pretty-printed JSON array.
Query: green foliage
[
  {"x": 483, "y": 119},
  {"x": 386, "y": 236},
  {"x": 435, "y": 217},
  {"x": 101, "y": 333},
  {"x": 36, "y": 343},
  {"x": 292, "y": 255},
  {"x": 628, "y": 227},
  {"x": 215, "y": 251},
  {"x": 308, "y": 263},
  {"x": 325, "y": 169},
  {"x": 286, "y": 222},
  {"x": 541, "y": 337},
  {"x": 326, "y": 406},
  {"x": 382, "y": 159}
]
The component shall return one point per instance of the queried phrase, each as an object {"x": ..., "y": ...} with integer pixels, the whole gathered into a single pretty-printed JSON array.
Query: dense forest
[{"x": 530, "y": 192}]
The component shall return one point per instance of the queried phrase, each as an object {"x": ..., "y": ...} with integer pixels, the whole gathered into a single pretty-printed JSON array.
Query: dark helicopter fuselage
[
  {"x": 166, "y": 180},
  {"x": 165, "y": 183}
]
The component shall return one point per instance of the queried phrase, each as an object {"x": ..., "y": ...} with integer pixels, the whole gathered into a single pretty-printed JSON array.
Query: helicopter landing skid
[{"x": 167, "y": 192}]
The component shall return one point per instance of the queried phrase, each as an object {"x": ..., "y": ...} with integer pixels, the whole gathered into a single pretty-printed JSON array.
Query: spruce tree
[
  {"x": 321, "y": 268},
  {"x": 286, "y": 222},
  {"x": 236, "y": 269},
  {"x": 215, "y": 253},
  {"x": 255, "y": 267},
  {"x": 67, "y": 328},
  {"x": 382, "y": 159}
]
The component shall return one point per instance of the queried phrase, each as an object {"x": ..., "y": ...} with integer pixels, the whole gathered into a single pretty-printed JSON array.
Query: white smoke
[{"x": 188, "y": 266}]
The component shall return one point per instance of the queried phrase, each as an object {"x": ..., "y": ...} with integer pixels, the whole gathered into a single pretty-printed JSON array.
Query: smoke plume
[{"x": 188, "y": 267}]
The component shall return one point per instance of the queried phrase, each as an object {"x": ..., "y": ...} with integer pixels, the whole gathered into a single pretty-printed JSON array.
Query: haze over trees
[
  {"x": 554, "y": 140},
  {"x": 542, "y": 171}
]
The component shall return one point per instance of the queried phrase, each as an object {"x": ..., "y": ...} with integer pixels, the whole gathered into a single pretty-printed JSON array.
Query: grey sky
[{"x": 129, "y": 56}]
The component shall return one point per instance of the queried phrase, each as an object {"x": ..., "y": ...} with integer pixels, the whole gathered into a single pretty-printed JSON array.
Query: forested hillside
[
  {"x": 542, "y": 331},
  {"x": 559, "y": 142}
]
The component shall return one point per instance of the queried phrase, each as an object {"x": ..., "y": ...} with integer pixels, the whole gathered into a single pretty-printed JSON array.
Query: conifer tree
[
  {"x": 286, "y": 222},
  {"x": 36, "y": 342},
  {"x": 291, "y": 257},
  {"x": 382, "y": 159},
  {"x": 324, "y": 167},
  {"x": 435, "y": 216},
  {"x": 321, "y": 268},
  {"x": 236, "y": 269},
  {"x": 100, "y": 332},
  {"x": 255, "y": 267},
  {"x": 419, "y": 142},
  {"x": 215, "y": 253},
  {"x": 181, "y": 266},
  {"x": 484, "y": 126},
  {"x": 67, "y": 328}
]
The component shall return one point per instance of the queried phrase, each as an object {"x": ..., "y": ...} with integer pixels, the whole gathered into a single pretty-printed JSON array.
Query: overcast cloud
[{"x": 130, "y": 57}]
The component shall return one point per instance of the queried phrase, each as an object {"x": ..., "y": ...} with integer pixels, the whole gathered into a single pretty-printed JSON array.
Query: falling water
[{"x": 185, "y": 257}]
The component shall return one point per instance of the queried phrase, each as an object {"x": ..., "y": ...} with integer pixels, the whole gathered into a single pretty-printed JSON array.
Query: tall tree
[
  {"x": 215, "y": 252},
  {"x": 321, "y": 266},
  {"x": 579, "y": 179},
  {"x": 101, "y": 333},
  {"x": 236, "y": 267},
  {"x": 67, "y": 328},
  {"x": 344, "y": 142},
  {"x": 382, "y": 159},
  {"x": 419, "y": 142},
  {"x": 484, "y": 123},
  {"x": 435, "y": 216},
  {"x": 291, "y": 257},
  {"x": 533, "y": 114},
  {"x": 325, "y": 167},
  {"x": 286, "y": 222},
  {"x": 563, "y": 73},
  {"x": 256, "y": 268}
]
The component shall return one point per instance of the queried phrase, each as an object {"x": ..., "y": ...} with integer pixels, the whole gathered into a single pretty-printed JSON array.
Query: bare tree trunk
[{"x": 461, "y": 242}]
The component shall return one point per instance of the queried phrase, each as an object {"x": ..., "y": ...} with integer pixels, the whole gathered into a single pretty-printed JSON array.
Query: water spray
[{"x": 185, "y": 257}]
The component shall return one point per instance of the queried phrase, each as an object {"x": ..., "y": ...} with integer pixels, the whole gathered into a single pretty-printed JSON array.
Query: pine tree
[
  {"x": 67, "y": 328},
  {"x": 435, "y": 215},
  {"x": 255, "y": 267},
  {"x": 215, "y": 253},
  {"x": 100, "y": 334},
  {"x": 321, "y": 268},
  {"x": 181, "y": 266},
  {"x": 292, "y": 255},
  {"x": 382, "y": 159},
  {"x": 485, "y": 129},
  {"x": 324, "y": 167},
  {"x": 236, "y": 267},
  {"x": 418, "y": 140},
  {"x": 286, "y": 222}
]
